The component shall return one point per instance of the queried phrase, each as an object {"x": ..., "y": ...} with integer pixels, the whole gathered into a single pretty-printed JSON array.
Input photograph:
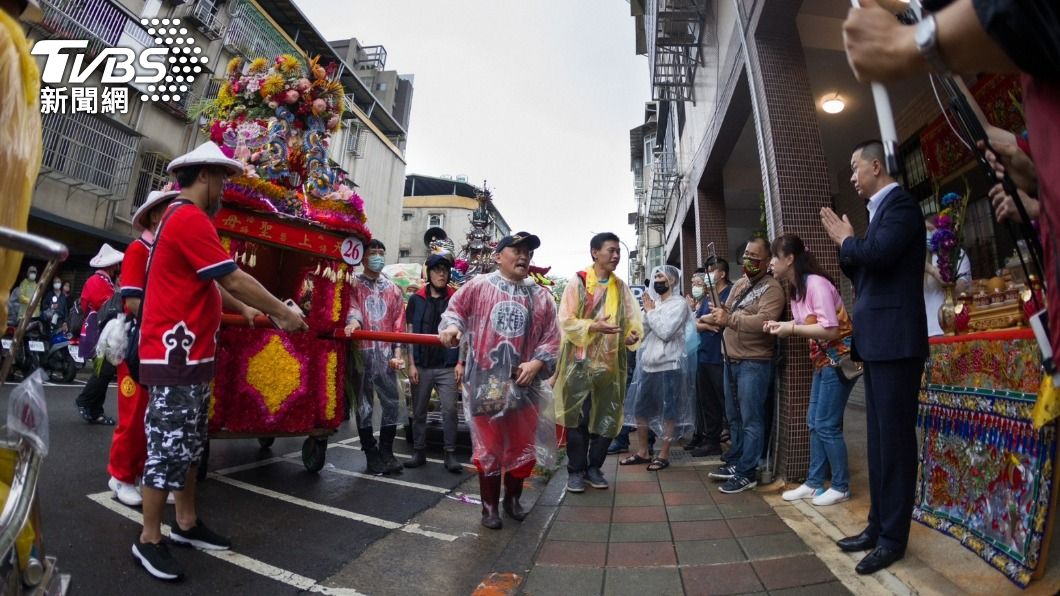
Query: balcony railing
[
  {"x": 204, "y": 15},
  {"x": 675, "y": 33},
  {"x": 251, "y": 34},
  {"x": 101, "y": 22},
  {"x": 88, "y": 152}
]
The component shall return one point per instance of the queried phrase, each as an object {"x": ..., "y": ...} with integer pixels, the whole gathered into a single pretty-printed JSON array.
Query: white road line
[
  {"x": 367, "y": 519},
  {"x": 261, "y": 568},
  {"x": 399, "y": 455},
  {"x": 250, "y": 466},
  {"x": 386, "y": 480}
]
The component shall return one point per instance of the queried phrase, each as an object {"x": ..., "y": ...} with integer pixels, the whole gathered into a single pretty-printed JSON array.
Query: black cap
[
  {"x": 532, "y": 242},
  {"x": 439, "y": 259}
]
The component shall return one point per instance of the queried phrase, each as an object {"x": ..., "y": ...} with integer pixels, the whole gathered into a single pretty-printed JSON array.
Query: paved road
[{"x": 293, "y": 531}]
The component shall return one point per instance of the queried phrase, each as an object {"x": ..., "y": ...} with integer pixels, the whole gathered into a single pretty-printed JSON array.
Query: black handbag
[{"x": 132, "y": 357}]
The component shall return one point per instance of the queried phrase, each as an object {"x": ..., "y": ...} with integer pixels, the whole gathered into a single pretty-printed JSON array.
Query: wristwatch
[{"x": 927, "y": 42}]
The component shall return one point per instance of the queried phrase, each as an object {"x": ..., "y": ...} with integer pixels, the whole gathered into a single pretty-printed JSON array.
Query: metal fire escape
[
  {"x": 675, "y": 34},
  {"x": 666, "y": 180}
]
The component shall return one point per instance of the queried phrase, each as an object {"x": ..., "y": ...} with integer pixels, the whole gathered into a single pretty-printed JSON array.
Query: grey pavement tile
[
  {"x": 742, "y": 509},
  {"x": 638, "y": 500},
  {"x": 641, "y": 532},
  {"x": 682, "y": 486},
  {"x": 642, "y": 582},
  {"x": 579, "y": 532},
  {"x": 563, "y": 581},
  {"x": 758, "y": 526},
  {"x": 590, "y": 498},
  {"x": 709, "y": 552},
  {"x": 693, "y": 513},
  {"x": 700, "y": 530},
  {"x": 792, "y": 572},
  {"x": 773, "y": 546},
  {"x": 829, "y": 589}
]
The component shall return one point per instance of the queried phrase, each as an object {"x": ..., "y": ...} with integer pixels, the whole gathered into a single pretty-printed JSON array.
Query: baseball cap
[{"x": 532, "y": 242}]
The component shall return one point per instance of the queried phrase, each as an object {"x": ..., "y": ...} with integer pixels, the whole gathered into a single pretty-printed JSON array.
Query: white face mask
[
  {"x": 31, "y": 276},
  {"x": 58, "y": 286},
  {"x": 697, "y": 292}
]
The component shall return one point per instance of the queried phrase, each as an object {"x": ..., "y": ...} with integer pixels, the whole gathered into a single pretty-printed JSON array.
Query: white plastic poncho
[
  {"x": 377, "y": 305},
  {"x": 662, "y": 395},
  {"x": 505, "y": 323}
]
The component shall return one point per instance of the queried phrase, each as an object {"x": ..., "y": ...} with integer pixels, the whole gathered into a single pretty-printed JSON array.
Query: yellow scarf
[{"x": 611, "y": 305}]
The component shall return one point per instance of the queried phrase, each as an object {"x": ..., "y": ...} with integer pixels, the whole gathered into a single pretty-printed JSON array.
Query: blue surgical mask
[{"x": 376, "y": 263}]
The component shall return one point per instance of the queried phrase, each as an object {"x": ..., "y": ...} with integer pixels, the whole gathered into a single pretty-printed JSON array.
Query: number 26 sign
[{"x": 352, "y": 251}]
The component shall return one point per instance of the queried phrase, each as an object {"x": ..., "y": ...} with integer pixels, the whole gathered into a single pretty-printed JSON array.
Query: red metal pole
[{"x": 425, "y": 339}]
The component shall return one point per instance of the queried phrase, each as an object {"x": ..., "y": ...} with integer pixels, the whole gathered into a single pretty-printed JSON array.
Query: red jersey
[
  {"x": 134, "y": 269},
  {"x": 98, "y": 289},
  {"x": 182, "y": 306}
]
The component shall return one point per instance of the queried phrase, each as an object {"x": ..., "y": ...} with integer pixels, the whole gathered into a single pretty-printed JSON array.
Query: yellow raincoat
[
  {"x": 593, "y": 363},
  {"x": 20, "y": 141}
]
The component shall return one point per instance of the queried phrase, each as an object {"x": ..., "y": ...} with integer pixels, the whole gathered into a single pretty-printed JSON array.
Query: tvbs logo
[
  {"x": 163, "y": 72},
  {"x": 119, "y": 64}
]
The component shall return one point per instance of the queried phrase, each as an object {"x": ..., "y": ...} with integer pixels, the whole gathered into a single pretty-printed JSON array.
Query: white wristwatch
[{"x": 927, "y": 42}]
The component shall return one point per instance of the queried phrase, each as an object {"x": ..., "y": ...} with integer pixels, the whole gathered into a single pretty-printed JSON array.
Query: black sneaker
[
  {"x": 725, "y": 472},
  {"x": 737, "y": 484},
  {"x": 157, "y": 561},
  {"x": 200, "y": 537},
  {"x": 596, "y": 478},
  {"x": 576, "y": 483}
]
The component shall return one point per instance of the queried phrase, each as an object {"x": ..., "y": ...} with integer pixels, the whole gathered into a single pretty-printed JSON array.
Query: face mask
[
  {"x": 376, "y": 263},
  {"x": 697, "y": 292},
  {"x": 711, "y": 279},
  {"x": 752, "y": 267},
  {"x": 31, "y": 276},
  {"x": 661, "y": 287},
  {"x": 58, "y": 286}
]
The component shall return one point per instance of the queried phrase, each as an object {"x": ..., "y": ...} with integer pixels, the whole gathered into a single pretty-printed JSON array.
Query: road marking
[
  {"x": 250, "y": 466},
  {"x": 399, "y": 455},
  {"x": 359, "y": 517},
  {"x": 261, "y": 568},
  {"x": 387, "y": 480}
]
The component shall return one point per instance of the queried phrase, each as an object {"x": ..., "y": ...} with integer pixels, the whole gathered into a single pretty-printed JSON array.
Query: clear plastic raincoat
[
  {"x": 505, "y": 323},
  {"x": 662, "y": 395},
  {"x": 378, "y": 306},
  {"x": 591, "y": 363}
]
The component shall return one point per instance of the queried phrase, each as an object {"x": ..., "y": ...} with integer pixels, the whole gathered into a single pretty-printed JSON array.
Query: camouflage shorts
[{"x": 176, "y": 432}]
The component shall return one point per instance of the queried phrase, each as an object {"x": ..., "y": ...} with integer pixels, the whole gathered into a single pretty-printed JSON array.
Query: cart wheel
[
  {"x": 314, "y": 450},
  {"x": 201, "y": 472},
  {"x": 266, "y": 442}
]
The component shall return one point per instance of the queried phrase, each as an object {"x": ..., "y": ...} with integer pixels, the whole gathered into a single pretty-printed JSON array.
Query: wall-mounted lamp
[{"x": 833, "y": 104}]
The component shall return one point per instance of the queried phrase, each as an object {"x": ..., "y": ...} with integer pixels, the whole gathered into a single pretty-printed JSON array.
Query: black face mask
[{"x": 661, "y": 287}]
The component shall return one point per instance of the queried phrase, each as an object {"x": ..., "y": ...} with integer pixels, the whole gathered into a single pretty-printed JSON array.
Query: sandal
[
  {"x": 658, "y": 464},
  {"x": 633, "y": 460},
  {"x": 97, "y": 418}
]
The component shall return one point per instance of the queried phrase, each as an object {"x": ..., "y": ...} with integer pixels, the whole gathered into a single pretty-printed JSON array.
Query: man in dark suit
[{"x": 890, "y": 335}]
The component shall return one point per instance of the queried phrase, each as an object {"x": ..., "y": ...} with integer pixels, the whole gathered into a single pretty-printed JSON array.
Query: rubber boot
[
  {"x": 452, "y": 464},
  {"x": 513, "y": 489},
  {"x": 386, "y": 447},
  {"x": 419, "y": 457},
  {"x": 375, "y": 461},
  {"x": 490, "y": 489}
]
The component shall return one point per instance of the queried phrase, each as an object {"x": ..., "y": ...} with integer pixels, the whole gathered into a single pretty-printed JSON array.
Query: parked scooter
[{"x": 43, "y": 347}]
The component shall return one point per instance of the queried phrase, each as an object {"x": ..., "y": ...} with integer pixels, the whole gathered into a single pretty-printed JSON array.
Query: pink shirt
[{"x": 823, "y": 305}]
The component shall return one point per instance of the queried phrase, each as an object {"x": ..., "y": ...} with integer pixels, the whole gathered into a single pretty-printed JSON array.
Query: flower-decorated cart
[{"x": 296, "y": 224}]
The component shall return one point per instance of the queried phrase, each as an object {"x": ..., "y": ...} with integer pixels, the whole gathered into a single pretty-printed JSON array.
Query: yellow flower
[
  {"x": 234, "y": 65},
  {"x": 331, "y": 381},
  {"x": 288, "y": 64},
  {"x": 336, "y": 305},
  {"x": 273, "y": 84},
  {"x": 259, "y": 65}
]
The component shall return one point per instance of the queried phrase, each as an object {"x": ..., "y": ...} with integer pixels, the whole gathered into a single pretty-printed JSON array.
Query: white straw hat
[
  {"x": 207, "y": 154},
  {"x": 154, "y": 199},
  {"x": 106, "y": 257}
]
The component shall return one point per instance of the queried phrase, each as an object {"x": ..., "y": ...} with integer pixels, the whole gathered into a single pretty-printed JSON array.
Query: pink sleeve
[
  {"x": 397, "y": 306},
  {"x": 820, "y": 301}
]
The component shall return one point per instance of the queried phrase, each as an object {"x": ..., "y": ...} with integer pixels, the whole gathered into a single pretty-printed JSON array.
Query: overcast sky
[{"x": 535, "y": 96}]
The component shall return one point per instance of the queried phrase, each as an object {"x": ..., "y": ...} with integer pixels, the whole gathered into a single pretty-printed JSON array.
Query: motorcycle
[{"x": 43, "y": 347}]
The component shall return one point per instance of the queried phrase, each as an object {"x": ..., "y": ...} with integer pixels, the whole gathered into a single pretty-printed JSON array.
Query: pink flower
[
  {"x": 319, "y": 106},
  {"x": 303, "y": 84},
  {"x": 291, "y": 96},
  {"x": 333, "y": 123}
]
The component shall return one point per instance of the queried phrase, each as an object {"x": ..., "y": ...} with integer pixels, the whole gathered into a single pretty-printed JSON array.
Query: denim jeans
[
  {"x": 828, "y": 400},
  {"x": 746, "y": 412}
]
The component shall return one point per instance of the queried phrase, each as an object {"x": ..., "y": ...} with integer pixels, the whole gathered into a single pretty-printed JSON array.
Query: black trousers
[
  {"x": 891, "y": 399},
  {"x": 94, "y": 395},
  {"x": 585, "y": 450},
  {"x": 710, "y": 402}
]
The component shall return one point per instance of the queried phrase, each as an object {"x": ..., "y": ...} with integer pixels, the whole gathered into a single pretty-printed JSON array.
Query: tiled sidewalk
[{"x": 672, "y": 532}]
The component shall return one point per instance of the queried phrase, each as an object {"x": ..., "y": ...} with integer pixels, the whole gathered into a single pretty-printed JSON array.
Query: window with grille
[
  {"x": 355, "y": 135},
  {"x": 152, "y": 176},
  {"x": 406, "y": 217},
  {"x": 404, "y": 253},
  {"x": 435, "y": 220}
]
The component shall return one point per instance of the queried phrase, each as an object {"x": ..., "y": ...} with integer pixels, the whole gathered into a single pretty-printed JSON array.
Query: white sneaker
[
  {"x": 831, "y": 497},
  {"x": 803, "y": 492},
  {"x": 125, "y": 493}
]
